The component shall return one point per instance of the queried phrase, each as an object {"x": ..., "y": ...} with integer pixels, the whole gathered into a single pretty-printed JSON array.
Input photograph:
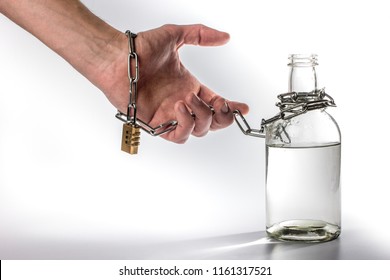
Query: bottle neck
[{"x": 303, "y": 77}]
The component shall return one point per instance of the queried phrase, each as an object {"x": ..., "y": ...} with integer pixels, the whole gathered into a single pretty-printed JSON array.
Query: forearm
[{"x": 71, "y": 30}]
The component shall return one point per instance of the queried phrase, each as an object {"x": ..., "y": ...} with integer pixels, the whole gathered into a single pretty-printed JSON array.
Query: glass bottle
[{"x": 303, "y": 166}]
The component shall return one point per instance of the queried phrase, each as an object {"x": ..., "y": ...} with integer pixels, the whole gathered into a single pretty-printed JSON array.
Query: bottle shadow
[{"x": 253, "y": 245}]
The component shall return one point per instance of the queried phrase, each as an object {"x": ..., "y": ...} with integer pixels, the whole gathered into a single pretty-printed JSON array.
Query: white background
[{"x": 63, "y": 178}]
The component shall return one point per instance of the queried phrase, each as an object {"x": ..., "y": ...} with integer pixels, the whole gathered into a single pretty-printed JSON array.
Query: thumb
[{"x": 199, "y": 34}]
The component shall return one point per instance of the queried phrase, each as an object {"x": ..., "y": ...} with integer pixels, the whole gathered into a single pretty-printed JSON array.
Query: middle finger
[{"x": 202, "y": 115}]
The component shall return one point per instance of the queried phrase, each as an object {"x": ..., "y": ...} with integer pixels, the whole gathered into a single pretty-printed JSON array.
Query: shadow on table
[
  {"x": 256, "y": 245},
  {"x": 245, "y": 246}
]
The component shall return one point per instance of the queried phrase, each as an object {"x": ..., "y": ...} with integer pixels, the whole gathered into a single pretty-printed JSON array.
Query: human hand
[{"x": 166, "y": 89}]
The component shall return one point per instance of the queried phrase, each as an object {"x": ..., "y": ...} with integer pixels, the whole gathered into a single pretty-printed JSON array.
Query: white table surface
[{"x": 351, "y": 245}]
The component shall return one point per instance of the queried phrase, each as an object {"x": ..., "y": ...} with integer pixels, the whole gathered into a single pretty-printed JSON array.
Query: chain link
[
  {"x": 131, "y": 114},
  {"x": 132, "y": 107},
  {"x": 291, "y": 105}
]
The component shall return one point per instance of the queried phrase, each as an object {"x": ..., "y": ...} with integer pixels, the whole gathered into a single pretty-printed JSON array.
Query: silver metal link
[
  {"x": 132, "y": 108},
  {"x": 291, "y": 105},
  {"x": 244, "y": 126},
  {"x": 154, "y": 131}
]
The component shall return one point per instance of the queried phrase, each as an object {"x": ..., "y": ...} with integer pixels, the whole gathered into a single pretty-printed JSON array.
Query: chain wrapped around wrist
[{"x": 132, "y": 124}]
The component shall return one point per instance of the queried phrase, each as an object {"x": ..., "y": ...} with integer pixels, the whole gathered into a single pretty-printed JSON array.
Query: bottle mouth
[{"x": 303, "y": 60}]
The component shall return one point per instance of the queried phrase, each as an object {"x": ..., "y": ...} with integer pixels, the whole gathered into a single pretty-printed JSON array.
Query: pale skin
[{"x": 166, "y": 89}]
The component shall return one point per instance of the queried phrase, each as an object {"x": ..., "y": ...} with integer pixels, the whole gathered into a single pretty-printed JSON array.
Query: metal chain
[
  {"x": 291, "y": 105},
  {"x": 131, "y": 115},
  {"x": 133, "y": 79}
]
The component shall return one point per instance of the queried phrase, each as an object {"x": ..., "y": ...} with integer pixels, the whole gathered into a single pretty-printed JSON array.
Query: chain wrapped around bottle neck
[{"x": 291, "y": 104}]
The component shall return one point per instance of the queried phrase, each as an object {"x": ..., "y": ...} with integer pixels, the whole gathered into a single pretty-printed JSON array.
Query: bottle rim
[{"x": 303, "y": 60}]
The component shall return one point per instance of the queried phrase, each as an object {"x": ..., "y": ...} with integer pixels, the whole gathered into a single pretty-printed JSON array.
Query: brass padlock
[{"x": 130, "y": 138}]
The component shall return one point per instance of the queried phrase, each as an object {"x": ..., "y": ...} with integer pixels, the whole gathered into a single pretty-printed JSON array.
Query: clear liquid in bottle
[{"x": 303, "y": 197}]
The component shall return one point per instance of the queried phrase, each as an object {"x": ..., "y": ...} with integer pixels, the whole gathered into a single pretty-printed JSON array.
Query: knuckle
[
  {"x": 221, "y": 122},
  {"x": 180, "y": 141},
  {"x": 168, "y": 26}
]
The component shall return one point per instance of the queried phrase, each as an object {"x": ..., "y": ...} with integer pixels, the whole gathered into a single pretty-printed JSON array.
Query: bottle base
[{"x": 307, "y": 231}]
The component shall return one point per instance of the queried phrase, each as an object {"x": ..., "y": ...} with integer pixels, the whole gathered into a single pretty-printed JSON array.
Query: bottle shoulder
[{"x": 313, "y": 128}]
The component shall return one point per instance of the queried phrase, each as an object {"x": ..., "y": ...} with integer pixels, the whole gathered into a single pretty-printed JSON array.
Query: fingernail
[
  {"x": 225, "y": 108},
  {"x": 183, "y": 108}
]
